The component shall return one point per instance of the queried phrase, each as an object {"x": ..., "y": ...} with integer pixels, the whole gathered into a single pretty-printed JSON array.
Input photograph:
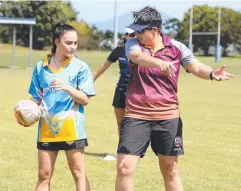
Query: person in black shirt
[{"x": 120, "y": 92}]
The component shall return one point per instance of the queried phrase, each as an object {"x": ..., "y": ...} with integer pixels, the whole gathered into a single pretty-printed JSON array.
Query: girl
[{"x": 62, "y": 84}]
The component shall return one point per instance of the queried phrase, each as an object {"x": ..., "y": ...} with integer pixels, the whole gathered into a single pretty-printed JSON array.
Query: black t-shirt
[{"x": 119, "y": 54}]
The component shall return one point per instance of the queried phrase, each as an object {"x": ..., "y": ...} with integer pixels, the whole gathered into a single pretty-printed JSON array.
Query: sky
[{"x": 101, "y": 10}]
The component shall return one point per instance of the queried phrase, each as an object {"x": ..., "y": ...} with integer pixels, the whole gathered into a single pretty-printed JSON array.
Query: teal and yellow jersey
[{"x": 62, "y": 118}]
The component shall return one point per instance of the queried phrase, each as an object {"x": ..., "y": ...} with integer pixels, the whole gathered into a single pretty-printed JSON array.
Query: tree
[
  {"x": 89, "y": 37},
  {"x": 205, "y": 19},
  {"x": 172, "y": 26},
  {"x": 47, "y": 14},
  {"x": 109, "y": 34},
  {"x": 83, "y": 29}
]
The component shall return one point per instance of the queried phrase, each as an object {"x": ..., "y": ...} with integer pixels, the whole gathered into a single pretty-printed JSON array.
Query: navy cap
[{"x": 140, "y": 24}]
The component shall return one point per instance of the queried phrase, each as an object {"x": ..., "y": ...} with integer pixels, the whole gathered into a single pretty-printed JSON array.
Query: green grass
[{"x": 212, "y": 133}]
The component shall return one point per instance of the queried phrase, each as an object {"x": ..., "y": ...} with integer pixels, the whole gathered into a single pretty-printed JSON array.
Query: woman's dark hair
[
  {"x": 148, "y": 16},
  {"x": 58, "y": 31}
]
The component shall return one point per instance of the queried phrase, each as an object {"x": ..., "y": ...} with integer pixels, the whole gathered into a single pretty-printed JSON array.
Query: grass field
[{"x": 212, "y": 132}]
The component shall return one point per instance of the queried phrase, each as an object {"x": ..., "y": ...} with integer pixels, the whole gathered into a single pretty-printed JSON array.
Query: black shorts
[
  {"x": 64, "y": 145},
  {"x": 119, "y": 100},
  {"x": 165, "y": 137}
]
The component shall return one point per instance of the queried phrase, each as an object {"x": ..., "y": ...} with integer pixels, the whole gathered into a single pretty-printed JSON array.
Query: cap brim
[{"x": 137, "y": 27}]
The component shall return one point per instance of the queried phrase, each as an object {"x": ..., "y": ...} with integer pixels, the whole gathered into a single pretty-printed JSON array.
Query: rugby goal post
[
  {"x": 20, "y": 21},
  {"x": 218, "y": 33}
]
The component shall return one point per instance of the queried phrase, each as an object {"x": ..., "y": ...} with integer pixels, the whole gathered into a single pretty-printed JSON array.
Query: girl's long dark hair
[{"x": 58, "y": 31}]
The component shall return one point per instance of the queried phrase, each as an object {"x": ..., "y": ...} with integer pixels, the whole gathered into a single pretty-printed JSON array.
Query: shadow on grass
[
  {"x": 101, "y": 155},
  {"x": 4, "y": 67}
]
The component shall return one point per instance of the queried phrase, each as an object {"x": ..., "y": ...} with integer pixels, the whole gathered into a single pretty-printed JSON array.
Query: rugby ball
[{"x": 27, "y": 112}]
